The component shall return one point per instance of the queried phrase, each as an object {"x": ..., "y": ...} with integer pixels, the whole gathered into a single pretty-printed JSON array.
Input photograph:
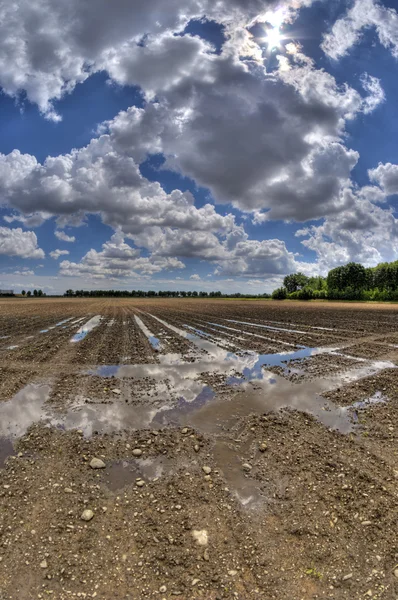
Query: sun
[{"x": 273, "y": 37}]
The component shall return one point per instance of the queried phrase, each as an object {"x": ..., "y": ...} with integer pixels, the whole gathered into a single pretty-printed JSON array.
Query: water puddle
[
  {"x": 123, "y": 473},
  {"x": 86, "y": 328},
  {"x": 263, "y": 337},
  {"x": 6, "y": 450},
  {"x": 268, "y": 327},
  {"x": 377, "y": 398},
  {"x": 25, "y": 408},
  {"x": 154, "y": 341}
]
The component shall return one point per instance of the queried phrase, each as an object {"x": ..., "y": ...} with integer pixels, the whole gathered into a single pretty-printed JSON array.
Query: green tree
[
  {"x": 29, "y": 293},
  {"x": 295, "y": 282},
  {"x": 279, "y": 294},
  {"x": 23, "y": 292}
]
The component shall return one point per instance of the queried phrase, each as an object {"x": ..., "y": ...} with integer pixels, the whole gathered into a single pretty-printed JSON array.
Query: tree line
[
  {"x": 154, "y": 294},
  {"x": 36, "y": 293},
  {"x": 352, "y": 281}
]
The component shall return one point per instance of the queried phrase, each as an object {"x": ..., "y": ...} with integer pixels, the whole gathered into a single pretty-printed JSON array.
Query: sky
[{"x": 199, "y": 146}]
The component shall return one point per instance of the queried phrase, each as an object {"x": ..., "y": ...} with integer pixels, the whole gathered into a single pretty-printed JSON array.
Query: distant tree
[
  {"x": 29, "y": 293},
  {"x": 69, "y": 293},
  {"x": 23, "y": 293},
  {"x": 35, "y": 292},
  {"x": 295, "y": 282},
  {"x": 39, "y": 292},
  {"x": 279, "y": 294}
]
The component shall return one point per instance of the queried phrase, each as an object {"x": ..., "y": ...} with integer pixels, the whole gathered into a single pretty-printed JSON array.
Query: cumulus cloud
[
  {"x": 364, "y": 14},
  {"x": 386, "y": 176},
  {"x": 46, "y": 49},
  {"x": 55, "y": 254},
  {"x": 15, "y": 242},
  {"x": 61, "y": 235},
  {"x": 24, "y": 272},
  {"x": 118, "y": 260},
  {"x": 195, "y": 277}
]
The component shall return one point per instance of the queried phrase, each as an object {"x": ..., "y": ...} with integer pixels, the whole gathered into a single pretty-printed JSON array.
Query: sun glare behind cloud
[{"x": 273, "y": 37}]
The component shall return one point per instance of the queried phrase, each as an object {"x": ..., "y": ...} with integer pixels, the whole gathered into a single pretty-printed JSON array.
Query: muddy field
[{"x": 241, "y": 450}]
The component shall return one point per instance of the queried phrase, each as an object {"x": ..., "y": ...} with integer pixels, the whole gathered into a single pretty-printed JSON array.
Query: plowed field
[{"x": 249, "y": 450}]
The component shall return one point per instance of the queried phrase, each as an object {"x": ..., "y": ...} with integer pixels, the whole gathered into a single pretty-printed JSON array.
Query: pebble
[
  {"x": 194, "y": 582},
  {"x": 137, "y": 452},
  {"x": 232, "y": 573},
  {"x": 263, "y": 447},
  {"x": 347, "y": 577},
  {"x": 396, "y": 573},
  {"x": 196, "y": 448},
  {"x": 366, "y": 523},
  {"x": 206, "y": 556},
  {"x": 200, "y": 536},
  {"x": 68, "y": 491},
  {"x": 140, "y": 483},
  {"x": 116, "y": 391},
  {"x": 87, "y": 515},
  {"x": 43, "y": 564},
  {"x": 247, "y": 467},
  {"x": 97, "y": 463},
  {"x": 206, "y": 470},
  {"x": 163, "y": 589}
]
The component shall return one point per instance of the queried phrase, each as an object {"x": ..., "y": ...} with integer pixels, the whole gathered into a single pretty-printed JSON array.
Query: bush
[{"x": 279, "y": 294}]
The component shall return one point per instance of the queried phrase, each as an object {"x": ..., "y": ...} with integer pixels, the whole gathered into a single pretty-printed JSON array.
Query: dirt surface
[{"x": 249, "y": 450}]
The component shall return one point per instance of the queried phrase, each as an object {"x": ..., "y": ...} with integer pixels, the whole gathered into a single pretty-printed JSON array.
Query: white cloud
[
  {"x": 24, "y": 272},
  {"x": 386, "y": 176},
  {"x": 55, "y": 254},
  {"x": 364, "y": 14},
  {"x": 47, "y": 48},
  {"x": 118, "y": 260},
  {"x": 61, "y": 235},
  {"x": 15, "y": 242},
  {"x": 195, "y": 277}
]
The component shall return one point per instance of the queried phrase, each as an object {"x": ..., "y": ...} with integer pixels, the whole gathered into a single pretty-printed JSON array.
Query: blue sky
[{"x": 199, "y": 148}]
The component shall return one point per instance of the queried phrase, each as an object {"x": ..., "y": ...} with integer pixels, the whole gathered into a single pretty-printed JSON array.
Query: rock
[
  {"x": 97, "y": 463},
  {"x": 366, "y": 523},
  {"x": 87, "y": 515},
  {"x": 232, "y": 573},
  {"x": 137, "y": 452},
  {"x": 43, "y": 564},
  {"x": 196, "y": 448},
  {"x": 200, "y": 536},
  {"x": 185, "y": 430},
  {"x": 163, "y": 589},
  {"x": 116, "y": 391},
  {"x": 247, "y": 467},
  {"x": 68, "y": 491},
  {"x": 206, "y": 556},
  {"x": 140, "y": 483},
  {"x": 263, "y": 446},
  {"x": 206, "y": 470},
  {"x": 396, "y": 573},
  {"x": 207, "y": 477},
  {"x": 347, "y": 577},
  {"x": 194, "y": 582}
]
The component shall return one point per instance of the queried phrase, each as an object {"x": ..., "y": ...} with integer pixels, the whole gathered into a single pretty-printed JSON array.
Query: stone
[
  {"x": 347, "y": 577},
  {"x": 196, "y": 448},
  {"x": 137, "y": 452},
  {"x": 43, "y": 564},
  {"x": 87, "y": 515},
  {"x": 247, "y": 467},
  {"x": 206, "y": 470},
  {"x": 97, "y": 463},
  {"x": 263, "y": 446},
  {"x": 396, "y": 573},
  {"x": 232, "y": 573},
  {"x": 163, "y": 589},
  {"x": 116, "y": 391},
  {"x": 140, "y": 483},
  {"x": 206, "y": 556},
  {"x": 200, "y": 536},
  {"x": 194, "y": 582}
]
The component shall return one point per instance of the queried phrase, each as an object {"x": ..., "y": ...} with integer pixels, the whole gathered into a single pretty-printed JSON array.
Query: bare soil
[{"x": 252, "y": 455}]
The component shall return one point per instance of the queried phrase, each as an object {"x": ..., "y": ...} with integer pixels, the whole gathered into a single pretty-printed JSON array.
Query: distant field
[{"x": 270, "y": 426}]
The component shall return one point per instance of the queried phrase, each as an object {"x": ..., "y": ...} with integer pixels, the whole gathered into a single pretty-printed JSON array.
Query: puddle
[
  {"x": 377, "y": 398},
  {"x": 123, "y": 473},
  {"x": 268, "y": 327},
  {"x": 263, "y": 337},
  {"x": 43, "y": 330},
  {"x": 25, "y": 408},
  {"x": 86, "y": 328},
  {"x": 6, "y": 450},
  {"x": 154, "y": 341}
]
